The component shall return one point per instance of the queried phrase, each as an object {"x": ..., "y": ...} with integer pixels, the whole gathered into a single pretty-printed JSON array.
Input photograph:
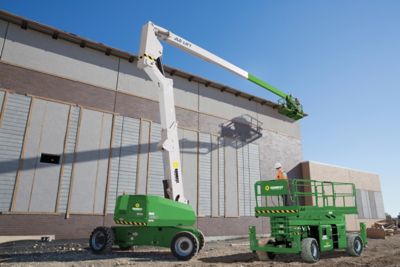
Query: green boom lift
[
  {"x": 168, "y": 221},
  {"x": 307, "y": 217}
]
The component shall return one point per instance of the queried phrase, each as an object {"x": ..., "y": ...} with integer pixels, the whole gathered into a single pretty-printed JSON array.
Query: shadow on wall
[
  {"x": 245, "y": 128},
  {"x": 239, "y": 129},
  {"x": 296, "y": 172}
]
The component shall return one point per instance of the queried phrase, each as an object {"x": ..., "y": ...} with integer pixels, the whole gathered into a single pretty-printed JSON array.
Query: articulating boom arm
[
  {"x": 150, "y": 55},
  {"x": 289, "y": 105},
  {"x": 150, "y": 61}
]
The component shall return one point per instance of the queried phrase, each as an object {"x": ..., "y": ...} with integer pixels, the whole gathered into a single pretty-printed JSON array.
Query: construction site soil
[{"x": 217, "y": 253}]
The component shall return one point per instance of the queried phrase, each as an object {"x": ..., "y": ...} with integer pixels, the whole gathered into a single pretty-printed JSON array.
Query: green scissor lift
[{"x": 306, "y": 217}]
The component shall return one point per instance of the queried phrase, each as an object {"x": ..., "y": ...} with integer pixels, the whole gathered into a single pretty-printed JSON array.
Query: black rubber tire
[
  {"x": 101, "y": 240},
  {"x": 271, "y": 255},
  {"x": 121, "y": 247},
  {"x": 184, "y": 246},
  {"x": 355, "y": 245},
  {"x": 310, "y": 250},
  {"x": 201, "y": 239}
]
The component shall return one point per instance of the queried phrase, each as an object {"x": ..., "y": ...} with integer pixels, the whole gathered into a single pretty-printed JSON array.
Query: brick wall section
[{"x": 80, "y": 226}]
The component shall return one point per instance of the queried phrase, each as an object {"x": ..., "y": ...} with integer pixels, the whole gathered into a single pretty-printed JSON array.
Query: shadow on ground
[
  {"x": 240, "y": 257},
  {"x": 70, "y": 256},
  {"x": 284, "y": 258}
]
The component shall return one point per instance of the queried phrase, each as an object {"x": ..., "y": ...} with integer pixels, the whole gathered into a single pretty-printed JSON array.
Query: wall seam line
[{"x": 4, "y": 42}]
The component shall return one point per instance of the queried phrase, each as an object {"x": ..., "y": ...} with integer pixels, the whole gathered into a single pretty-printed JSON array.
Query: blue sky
[{"x": 341, "y": 58}]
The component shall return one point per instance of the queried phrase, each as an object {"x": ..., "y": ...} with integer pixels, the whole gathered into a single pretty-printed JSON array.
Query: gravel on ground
[{"x": 216, "y": 253}]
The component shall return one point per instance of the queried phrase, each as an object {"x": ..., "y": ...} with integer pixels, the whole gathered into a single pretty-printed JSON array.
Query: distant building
[
  {"x": 368, "y": 188},
  {"x": 79, "y": 125}
]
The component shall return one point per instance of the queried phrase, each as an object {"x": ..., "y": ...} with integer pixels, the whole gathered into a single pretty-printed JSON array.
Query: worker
[{"x": 281, "y": 175}]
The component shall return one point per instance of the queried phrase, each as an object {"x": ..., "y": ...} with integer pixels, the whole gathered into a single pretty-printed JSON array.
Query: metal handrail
[
  {"x": 324, "y": 186},
  {"x": 321, "y": 192}
]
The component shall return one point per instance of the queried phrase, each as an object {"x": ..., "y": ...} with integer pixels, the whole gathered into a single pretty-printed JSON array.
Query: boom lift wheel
[
  {"x": 201, "y": 239},
  {"x": 184, "y": 246},
  {"x": 101, "y": 240},
  {"x": 354, "y": 245},
  {"x": 310, "y": 250}
]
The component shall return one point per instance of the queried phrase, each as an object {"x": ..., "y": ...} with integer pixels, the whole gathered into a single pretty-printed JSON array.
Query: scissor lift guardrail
[{"x": 305, "y": 197}]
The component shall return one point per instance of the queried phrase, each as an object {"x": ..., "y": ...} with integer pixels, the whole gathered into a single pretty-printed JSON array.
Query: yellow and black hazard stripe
[
  {"x": 275, "y": 211},
  {"x": 130, "y": 223},
  {"x": 150, "y": 57}
]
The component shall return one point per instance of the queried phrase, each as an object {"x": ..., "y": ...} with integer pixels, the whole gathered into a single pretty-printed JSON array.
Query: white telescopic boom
[
  {"x": 197, "y": 51},
  {"x": 289, "y": 105}
]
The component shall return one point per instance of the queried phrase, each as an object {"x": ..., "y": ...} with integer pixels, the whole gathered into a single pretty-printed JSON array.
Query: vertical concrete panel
[
  {"x": 204, "y": 174},
  {"x": 221, "y": 176},
  {"x": 85, "y": 166},
  {"x": 156, "y": 164},
  {"x": 32, "y": 156},
  {"x": 214, "y": 176},
  {"x": 246, "y": 181},
  {"x": 231, "y": 184},
  {"x": 190, "y": 166},
  {"x": 40, "y": 52},
  {"x": 240, "y": 171},
  {"x": 254, "y": 174},
  {"x": 47, "y": 175},
  {"x": 143, "y": 157},
  {"x": 128, "y": 156},
  {"x": 379, "y": 205},
  {"x": 2, "y": 95},
  {"x": 243, "y": 178},
  {"x": 115, "y": 159},
  {"x": 371, "y": 197},
  {"x": 102, "y": 169},
  {"x": 68, "y": 159},
  {"x": 365, "y": 204},
  {"x": 12, "y": 130}
]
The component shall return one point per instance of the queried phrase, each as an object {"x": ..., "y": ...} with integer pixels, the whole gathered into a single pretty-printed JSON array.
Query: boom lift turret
[{"x": 168, "y": 221}]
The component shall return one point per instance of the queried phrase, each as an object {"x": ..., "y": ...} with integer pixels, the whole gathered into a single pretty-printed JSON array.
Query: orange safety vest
[{"x": 281, "y": 175}]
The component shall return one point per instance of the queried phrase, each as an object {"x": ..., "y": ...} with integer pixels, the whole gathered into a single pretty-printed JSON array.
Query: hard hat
[{"x": 278, "y": 165}]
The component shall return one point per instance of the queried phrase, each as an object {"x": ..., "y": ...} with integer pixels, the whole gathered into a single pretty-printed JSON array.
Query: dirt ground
[{"x": 218, "y": 253}]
